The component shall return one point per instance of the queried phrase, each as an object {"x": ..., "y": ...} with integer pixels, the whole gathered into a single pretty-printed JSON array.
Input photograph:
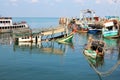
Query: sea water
[
  {"x": 38, "y": 22},
  {"x": 55, "y": 61}
]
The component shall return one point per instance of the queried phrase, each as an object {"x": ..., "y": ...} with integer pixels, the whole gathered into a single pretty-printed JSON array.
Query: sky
[{"x": 57, "y": 8}]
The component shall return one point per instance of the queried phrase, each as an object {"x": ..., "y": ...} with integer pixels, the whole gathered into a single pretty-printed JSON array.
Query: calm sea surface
[{"x": 54, "y": 61}]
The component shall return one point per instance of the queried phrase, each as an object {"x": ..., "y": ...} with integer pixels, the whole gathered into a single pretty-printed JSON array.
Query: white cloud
[
  {"x": 34, "y": 1},
  {"x": 113, "y": 1},
  {"x": 51, "y": 4},
  {"x": 98, "y": 1},
  {"x": 58, "y": 0},
  {"x": 78, "y": 1},
  {"x": 14, "y": 2},
  {"x": 110, "y": 1}
]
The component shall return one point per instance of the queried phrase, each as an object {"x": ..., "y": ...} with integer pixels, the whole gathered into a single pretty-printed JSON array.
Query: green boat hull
[
  {"x": 65, "y": 39},
  {"x": 110, "y": 33},
  {"x": 90, "y": 53}
]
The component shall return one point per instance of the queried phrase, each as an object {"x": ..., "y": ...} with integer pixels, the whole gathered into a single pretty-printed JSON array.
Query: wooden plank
[{"x": 53, "y": 31}]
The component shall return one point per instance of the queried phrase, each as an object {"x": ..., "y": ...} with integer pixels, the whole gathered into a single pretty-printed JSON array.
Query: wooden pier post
[
  {"x": 40, "y": 38},
  {"x": 66, "y": 30}
]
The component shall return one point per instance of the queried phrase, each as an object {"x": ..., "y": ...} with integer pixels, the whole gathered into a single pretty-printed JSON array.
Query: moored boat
[
  {"x": 110, "y": 30},
  {"x": 7, "y": 25},
  {"x": 82, "y": 28},
  {"x": 95, "y": 62},
  {"x": 65, "y": 39},
  {"x": 93, "y": 31},
  {"x": 90, "y": 53},
  {"x": 94, "y": 28},
  {"x": 94, "y": 48}
]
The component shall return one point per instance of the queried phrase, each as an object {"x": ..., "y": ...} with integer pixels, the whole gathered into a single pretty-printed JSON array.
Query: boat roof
[
  {"x": 5, "y": 17},
  {"x": 108, "y": 24}
]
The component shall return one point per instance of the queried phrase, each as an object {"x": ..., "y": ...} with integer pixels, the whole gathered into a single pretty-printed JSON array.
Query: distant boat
[
  {"x": 6, "y": 25},
  {"x": 93, "y": 29},
  {"x": 82, "y": 28},
  {"x": 110, "y": 30},
  {"x": 89, "y": 21}
]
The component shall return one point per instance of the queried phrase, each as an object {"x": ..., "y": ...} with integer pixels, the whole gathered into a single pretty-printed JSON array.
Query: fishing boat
[
  {"x": 94, "y": 53},
  {"x": 7, "y": 25},
  {"x": 93, "y": 28},
  {"x": 96, "y": 62},
  {"x": 65, "y": 39},
  {"x": 110, "y": 30},
  {"x": 94, "y": 48},
  {"x": 82, "y": 28},
  {"x": 90, "y": 53},
  {"x": 93, "y": 31}
]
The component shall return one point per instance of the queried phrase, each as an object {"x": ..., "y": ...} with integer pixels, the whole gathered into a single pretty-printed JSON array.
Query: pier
[{"x": 38, "y": 35}]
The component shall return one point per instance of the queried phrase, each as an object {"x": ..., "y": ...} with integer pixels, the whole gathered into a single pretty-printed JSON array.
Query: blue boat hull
[{"x": 93, "y": 31}]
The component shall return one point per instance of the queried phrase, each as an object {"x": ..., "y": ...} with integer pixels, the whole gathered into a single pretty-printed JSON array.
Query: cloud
[
  {"x": 110, "y": 1},
  {"x": 34, "y": 1},
  {"x": 14, "y": 2},
  {"x": 78, "y": 1},
  {"x": 98, "y": 1},
  {"x": 58, "y": 0},
  {"x": 113, "y": 1}
]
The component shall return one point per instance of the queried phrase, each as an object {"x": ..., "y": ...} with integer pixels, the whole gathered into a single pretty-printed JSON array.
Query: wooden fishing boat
[
  {"x": 94, "y": 31},
  {"x": 109, "y": 30},
  {"x": 82, "y": 28},
  {"x": 94, "y": 53},
  {"x": 95, "y": 62},
  {"x": 94, "y": 48},
  {"x": 90, "y": 53},
  {"x": 65, "y": 39}
]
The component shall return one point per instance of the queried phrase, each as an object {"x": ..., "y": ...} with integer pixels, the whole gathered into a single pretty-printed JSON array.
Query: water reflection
[
  {"x": 102, "y": 66},
  {"x": 113, "y": 48},
  {"x": 6, "y": 39},
  {"x": 50, "y": 47},
  {"x": 111, "y": 42},
  {"x": 106, "y": 66}
]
